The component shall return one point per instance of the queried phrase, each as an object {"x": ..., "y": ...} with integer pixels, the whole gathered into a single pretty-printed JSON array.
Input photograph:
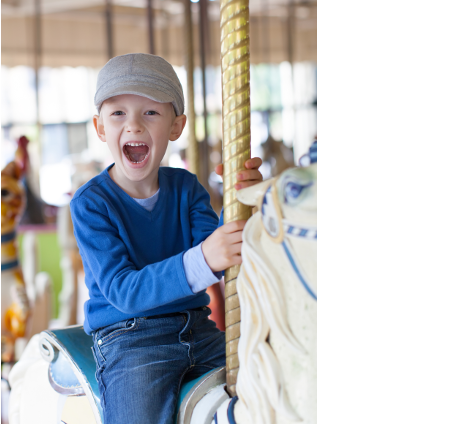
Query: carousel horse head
[
  {"x": 13, "y": 192},
  {"x": 277, "y": 288},
  {"x": 15, "y": 304},
  {"x": 290, "y": 197}
]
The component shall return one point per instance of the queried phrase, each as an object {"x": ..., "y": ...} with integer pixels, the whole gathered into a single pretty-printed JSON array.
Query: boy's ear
[
  {"x": 99, "y": 127},
  {"x": 177, "y": 127}
]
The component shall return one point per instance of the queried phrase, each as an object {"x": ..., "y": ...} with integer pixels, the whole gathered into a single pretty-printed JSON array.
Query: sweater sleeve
[
  {"x": 204, "y": 220},
  {"x": 221, "y": 223},
  {"x": 128, "y": 289},
  {"x": 198, "y": 273}
]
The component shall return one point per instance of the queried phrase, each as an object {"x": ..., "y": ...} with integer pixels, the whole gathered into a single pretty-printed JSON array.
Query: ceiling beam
[
  {"x": 27, "y": 7},
  {"x": 13, "y": 3}
]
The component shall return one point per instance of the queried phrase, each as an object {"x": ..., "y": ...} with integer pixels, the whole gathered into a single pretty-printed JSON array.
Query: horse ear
[
  {"x": 252, "y": 195},
  {"x": 18, "y": 166},
  {"x": 12, "y": 170},
  {"x": 21, "y": 156}
]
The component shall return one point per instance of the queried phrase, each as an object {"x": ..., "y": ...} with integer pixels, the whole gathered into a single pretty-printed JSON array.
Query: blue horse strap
[
  {"x": 230, "y": 410},
  {"x": 8, "y": 237},
  {"x": 292, "y": 230},
  {"x": 297, "y": 271},
  {"x": 311, "y": 156},
  {"x": 10, "y": 265},
  {"x": 313, "y": 152}
]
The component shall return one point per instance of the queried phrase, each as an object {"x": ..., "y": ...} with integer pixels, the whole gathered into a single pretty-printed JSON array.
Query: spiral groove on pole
[{"x": 235, "y": 68}]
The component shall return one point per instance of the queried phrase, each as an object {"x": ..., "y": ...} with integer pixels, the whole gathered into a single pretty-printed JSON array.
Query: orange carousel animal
[{"x": 15, "y": 303}]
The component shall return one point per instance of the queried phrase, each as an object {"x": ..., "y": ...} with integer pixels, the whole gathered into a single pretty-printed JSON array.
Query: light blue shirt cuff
[{"x": 198, "y": 273}]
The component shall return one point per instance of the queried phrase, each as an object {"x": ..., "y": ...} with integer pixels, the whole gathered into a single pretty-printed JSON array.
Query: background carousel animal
[
  {"x": 15, "y": 303},
  {"x": 26, "y": 293}
]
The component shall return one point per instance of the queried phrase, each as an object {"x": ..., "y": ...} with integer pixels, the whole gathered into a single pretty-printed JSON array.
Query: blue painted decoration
[
  {"x": 297, "y": 271},
  {"x": 8, "y": 237},
  {"x": 10, "y": 265},
  {"x": 230, "y": 410}
]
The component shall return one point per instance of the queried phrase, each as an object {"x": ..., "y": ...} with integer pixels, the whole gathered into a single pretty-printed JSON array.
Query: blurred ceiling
[{"x": 74, "y": 32}]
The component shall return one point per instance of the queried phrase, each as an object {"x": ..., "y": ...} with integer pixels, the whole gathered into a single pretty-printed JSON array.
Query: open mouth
[{"x": 136, "y": 152}]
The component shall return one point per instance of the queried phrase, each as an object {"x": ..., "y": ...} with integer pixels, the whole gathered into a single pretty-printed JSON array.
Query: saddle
[{"x": 72, "y": 372}]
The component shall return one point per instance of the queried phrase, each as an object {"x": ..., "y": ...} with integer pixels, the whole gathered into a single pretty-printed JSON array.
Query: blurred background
[{"x": 51, "y": 54}]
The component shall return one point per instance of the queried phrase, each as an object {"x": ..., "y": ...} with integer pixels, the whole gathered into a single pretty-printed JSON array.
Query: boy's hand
[
  {"x": 249, "y": 176},
  {"x": 222, "y": 248}
]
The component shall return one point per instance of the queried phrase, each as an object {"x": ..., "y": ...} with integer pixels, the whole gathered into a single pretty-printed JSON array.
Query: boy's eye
[
  {"x": 118, "y": 112},
  {"x": 151, "y": 112}
]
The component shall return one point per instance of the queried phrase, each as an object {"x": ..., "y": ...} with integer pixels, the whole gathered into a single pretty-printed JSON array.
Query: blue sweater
[{"x": 133, "y": 259}]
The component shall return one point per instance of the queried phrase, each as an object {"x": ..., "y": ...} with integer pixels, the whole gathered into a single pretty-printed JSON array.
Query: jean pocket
[{"x": 109, "y": 334}]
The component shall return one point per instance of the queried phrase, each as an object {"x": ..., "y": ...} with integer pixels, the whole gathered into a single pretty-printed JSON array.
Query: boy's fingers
[
  {"x": 234, "y": 238},
  {"x": 219, "y": 169},
  {"x": 236, "y": 249},
  {"x": 245, "y": 184},
  {"x": 253, "y": 163},
  {"x": 252, "y": 174},
  {"x": 234, "y": 226}
]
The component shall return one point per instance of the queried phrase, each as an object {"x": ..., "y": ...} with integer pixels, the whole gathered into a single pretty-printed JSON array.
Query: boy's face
[{"x": 137, "y": 131}]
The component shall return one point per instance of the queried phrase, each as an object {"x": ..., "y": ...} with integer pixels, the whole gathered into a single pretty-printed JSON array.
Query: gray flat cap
[{"x": 143, "y": 74}]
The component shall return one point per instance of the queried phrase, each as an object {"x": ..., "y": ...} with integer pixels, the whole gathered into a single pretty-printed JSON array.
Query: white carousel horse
[
  {"x": 277, "y": 292},
  {"x": 277, "y": 288}
]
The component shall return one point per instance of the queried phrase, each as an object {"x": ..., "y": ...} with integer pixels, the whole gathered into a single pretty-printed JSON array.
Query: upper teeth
[{"x": 135, "y": 144}]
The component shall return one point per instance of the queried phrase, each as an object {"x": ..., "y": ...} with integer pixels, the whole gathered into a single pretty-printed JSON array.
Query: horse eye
[
  {"x": 5, "y": 192},
  {"x": 293, "y": 190}
]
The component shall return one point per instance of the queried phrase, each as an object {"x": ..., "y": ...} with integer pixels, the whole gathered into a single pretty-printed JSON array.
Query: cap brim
[{"x": 140, "y": 90}]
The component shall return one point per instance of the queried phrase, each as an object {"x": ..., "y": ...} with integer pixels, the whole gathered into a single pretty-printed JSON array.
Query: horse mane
[{"x": 260, "y": 384}]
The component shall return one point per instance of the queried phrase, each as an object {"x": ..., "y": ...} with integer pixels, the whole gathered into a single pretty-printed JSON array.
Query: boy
[{"x": 150, "y": 246}]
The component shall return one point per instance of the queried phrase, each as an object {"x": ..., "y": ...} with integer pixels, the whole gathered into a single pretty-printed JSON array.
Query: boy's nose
[{"x": 134, "y": 125}]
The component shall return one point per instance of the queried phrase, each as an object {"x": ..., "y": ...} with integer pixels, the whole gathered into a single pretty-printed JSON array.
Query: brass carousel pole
[
  {"x": 235, "y": 68},
  {"x": 109, "y": 34},
  {"x": 150, "y": 26},
  {"x": 203, "y": 34},
  {"x": 37, "y": 53},
  {"x": 192, "y": 149},
  {"x": 37, "y": 59}
]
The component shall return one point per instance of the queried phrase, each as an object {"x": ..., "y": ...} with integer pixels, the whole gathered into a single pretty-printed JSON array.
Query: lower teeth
[{"x": 132, "y": 161}]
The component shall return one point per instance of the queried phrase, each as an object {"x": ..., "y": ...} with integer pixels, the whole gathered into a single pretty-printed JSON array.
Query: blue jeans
[{"x": 142, "y": 362}]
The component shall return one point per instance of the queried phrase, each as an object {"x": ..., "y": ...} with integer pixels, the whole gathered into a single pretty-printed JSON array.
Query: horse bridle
[
  {"x": 7, "y": 238},
  {"x": 278, "y": 229}
]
